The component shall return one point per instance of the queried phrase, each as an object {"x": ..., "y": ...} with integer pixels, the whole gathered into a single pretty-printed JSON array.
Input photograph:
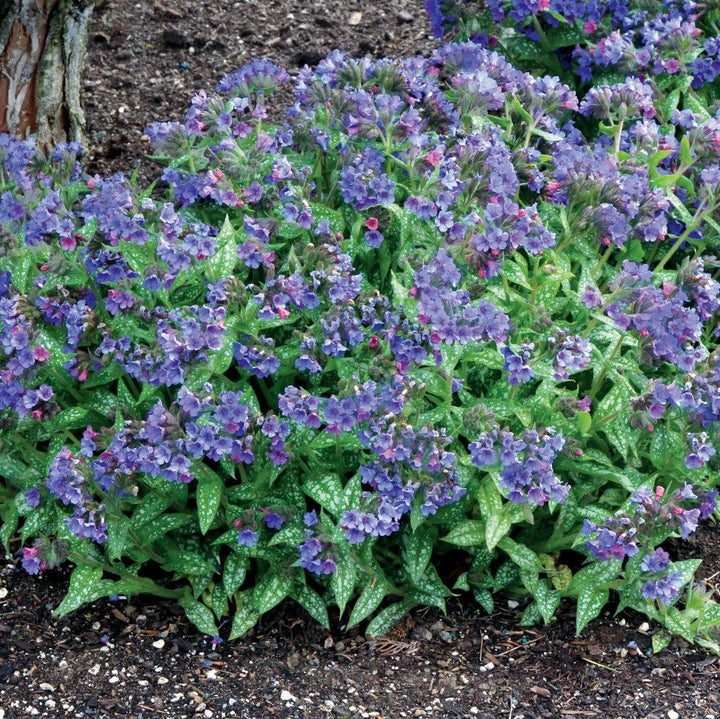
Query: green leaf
[
  {"x": 222, "y": 263},
  {"x": 312, "y": 603},
  {"x": 497, "y": 521},
  {"x": 243, "y": 621},
  {"x": 117, "y": 536},
  {"x": 21, "y": 271},
  {"x": 234, "y": 572},
  {"x": 485, "y": 599},
  {"x": 369, "y": 600},
  {"x": 417, "y": 552},
  {"x": 507, "y": 575},
  {"x": 671, "y": 103},
  {"x": 691, "y": 102},
  {"x": 584, "y": 421},
  {"x": 162, "y": 525},
  {"x": 523, "y": 556},
  {"x": 209, "y": 494},
  {"x": 199, "y": 615},
  {"x": 327, "y": 490},
  {"x": 103, "y": 376},
  {"x": 531, "y": 616},
  {"x": 678, "y": 623},
  {"x": 342, "y": 582},
  {"x": 15, "y": 470},
  {"x": 189, "y": 563},
  {"x": 218, "y": 601},
  {"x": 666, "y": 448},
  {"x": 547, "y": 600},
  {"x": 513, "y": 273},
  {"x": 595, "y": 574},
  {"x": 150, "y": 507},
  {"x": 10, "y": 519},
  {"x": 685, "y": 153},
  {"x": 220, "y": 360},
  {"x": 660, "y": 640},
  {"x": 590, "y": 602},
  {"x": 352, "y": 493},
  {"x": 292, "y": 535},
  {"x": 86, "y": 585},
  {"x": 388, "y": 617},
  {"x": 270, "y": 591},
  {"x": 679, "y": 205},
  {"x": 461, "y": 583},
  {"x": 469, "y": 533}
]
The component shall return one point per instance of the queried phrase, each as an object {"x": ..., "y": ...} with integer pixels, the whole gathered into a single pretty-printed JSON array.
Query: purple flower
[
  {"x": 665, "y": 590},
  {"x": 273, "y": 520},
  {"x": 517, "y": 366},
  {"x": 658, "y": 561},
  {"x": 31, "y": 561},
  {"x": 32, "y": 497},
  {"x": 310, "y": 519},
  {"x": 248, "y": 538}
]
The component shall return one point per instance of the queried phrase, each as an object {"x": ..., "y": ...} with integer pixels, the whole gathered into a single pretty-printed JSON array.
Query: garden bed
[{"x": 145, "y": 62}]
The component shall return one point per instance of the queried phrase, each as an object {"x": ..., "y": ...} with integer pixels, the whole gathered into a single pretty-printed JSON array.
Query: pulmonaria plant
[{"x": 423, "y": 314}]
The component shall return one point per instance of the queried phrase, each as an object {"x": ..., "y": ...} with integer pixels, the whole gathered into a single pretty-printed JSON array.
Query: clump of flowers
[{"x": 445, "y": 303}]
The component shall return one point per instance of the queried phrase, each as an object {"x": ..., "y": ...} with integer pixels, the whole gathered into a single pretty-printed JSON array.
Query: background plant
[
  {"x": 672, "y": 43},
  {"x": 422, "y": 338}
]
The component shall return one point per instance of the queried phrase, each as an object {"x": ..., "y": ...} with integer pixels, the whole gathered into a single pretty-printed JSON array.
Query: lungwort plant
[
  {"x": 673, "y": 43},
  {"x": 421, "y": 339}
]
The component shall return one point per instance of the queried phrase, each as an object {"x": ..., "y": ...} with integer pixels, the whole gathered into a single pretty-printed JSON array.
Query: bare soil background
[{"x": 141, "y": 658}]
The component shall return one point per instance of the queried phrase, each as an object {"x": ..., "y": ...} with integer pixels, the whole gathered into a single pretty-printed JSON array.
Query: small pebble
[
  {"x": 47, "y": 687},
  {"x": 672, "y": 714},
  {"x": 159, "y": 644},
  {"x": 286, "y": 696},
  {"x": 162, "y": 680}
]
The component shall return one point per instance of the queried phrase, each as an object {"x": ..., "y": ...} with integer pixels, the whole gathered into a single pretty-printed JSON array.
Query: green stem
[
  {"x": 144, "y": 584},
  {"x": 691, "y": 227},
  {"x": 603, "y": 371},
  {"x": 604, "y": 420},
  {"x": 603, "y": 260}
]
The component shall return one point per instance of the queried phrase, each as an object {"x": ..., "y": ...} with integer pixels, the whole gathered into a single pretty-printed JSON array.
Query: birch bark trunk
[{"x": 42, "y": 49}]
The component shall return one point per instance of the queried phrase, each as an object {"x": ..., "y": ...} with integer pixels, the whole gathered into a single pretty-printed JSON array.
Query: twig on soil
[
  {"x": 603, "y": 666},
  {"x": 518, "y": 646}
]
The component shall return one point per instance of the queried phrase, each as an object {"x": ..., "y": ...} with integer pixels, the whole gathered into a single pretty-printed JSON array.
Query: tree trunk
[{"x": 42, "y": 49}]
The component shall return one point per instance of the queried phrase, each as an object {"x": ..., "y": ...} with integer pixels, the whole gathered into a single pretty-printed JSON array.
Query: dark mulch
[{"x": 142, "y": 659}]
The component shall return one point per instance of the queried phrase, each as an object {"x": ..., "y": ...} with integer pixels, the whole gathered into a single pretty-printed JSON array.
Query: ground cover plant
[
  {"x": 429, "y": 337},
  {"x": 671, "y": 43}
]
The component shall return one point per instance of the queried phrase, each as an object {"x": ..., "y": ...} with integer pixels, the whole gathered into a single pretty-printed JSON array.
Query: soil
[{"x": 140, "y": 657}]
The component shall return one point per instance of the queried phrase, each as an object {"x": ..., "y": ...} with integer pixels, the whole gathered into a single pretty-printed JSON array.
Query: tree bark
[{"x": 42, "y": 49}]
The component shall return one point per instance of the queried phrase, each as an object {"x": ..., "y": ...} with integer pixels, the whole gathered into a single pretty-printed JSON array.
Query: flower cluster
[
  {"x": 627, "y": 533},
  {"x": 440, "y": 283},
  {"x": 527, "y": 463}
]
